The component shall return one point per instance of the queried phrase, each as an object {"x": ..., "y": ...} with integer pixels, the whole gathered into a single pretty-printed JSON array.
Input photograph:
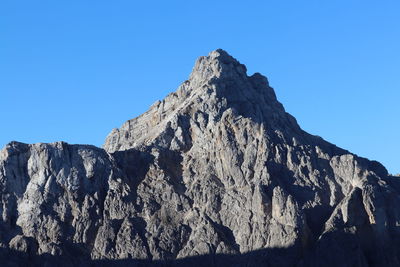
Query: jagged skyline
[
  {"x": 75, "y": 75},
  {"x": 215, "y": 174}
]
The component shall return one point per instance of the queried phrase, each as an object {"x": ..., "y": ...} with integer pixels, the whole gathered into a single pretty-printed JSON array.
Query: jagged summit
[
  {"x": 219, "y": 55},
  {"x": 216, "y": 174},
  {"x": 220, "y": 67},
  {"x": 217, "y": 83},
  {"x": 218, "y": 63}
]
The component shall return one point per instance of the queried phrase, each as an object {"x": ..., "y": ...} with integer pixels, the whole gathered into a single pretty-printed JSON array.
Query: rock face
[{"x": 216, "y": 174}]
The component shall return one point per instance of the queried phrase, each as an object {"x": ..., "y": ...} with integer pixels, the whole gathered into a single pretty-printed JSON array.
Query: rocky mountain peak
[
  {"x": 217, "y": 64},
  {"x": 215, "y": 174},
  {"x": 228, "y": 76},
  {"x": 217, "y": 83}
]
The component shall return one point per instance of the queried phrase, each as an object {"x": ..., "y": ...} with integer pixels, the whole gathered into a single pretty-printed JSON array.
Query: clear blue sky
[{"x": 73, "y": 70}]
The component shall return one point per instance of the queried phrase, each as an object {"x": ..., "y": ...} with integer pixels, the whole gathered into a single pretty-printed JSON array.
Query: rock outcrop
[{"x": 216, "y": 174}]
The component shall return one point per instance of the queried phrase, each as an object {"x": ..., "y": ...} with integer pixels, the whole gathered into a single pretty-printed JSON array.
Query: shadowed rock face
[{"x": 215, "y": 174}]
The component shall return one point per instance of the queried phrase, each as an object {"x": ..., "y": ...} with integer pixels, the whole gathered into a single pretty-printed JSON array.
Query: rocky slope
[{"x": 216, "y": 174}]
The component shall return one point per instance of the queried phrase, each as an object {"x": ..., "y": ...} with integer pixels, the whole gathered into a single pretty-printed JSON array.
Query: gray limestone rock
[{"x": 216, "y": 174}]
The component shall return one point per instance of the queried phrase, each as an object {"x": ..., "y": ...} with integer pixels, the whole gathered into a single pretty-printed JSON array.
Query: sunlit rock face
[{"x": 216, "y": 174}]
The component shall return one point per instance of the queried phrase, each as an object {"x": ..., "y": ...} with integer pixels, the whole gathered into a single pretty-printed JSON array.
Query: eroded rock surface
[{"x": 216, "y": 174}]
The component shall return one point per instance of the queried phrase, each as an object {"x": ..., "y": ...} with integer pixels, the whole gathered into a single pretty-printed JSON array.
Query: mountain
[{"x": 216, "y": 174}]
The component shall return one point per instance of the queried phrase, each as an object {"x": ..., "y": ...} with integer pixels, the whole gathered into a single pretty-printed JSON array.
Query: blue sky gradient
[{"x": 73, "y": 70}]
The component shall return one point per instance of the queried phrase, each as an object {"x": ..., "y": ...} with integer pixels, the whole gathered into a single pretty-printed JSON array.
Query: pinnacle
[
  {"x": 217, "y": 64},
  {"x": 222, "y": 56},
  {"x": 217, "y": 83}
]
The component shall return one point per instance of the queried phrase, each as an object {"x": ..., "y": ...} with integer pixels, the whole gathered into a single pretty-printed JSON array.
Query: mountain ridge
[{"x": 216, "y": 168}]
